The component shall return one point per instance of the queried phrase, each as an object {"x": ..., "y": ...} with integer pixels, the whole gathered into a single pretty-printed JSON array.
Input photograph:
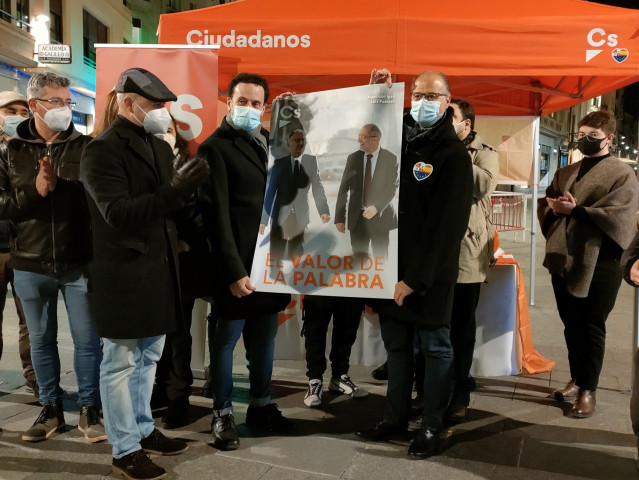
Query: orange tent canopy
[{"x": 507, "y": 58}]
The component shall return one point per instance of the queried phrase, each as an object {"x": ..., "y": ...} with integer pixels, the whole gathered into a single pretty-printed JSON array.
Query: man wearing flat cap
[{"x": 133, "y": 193}]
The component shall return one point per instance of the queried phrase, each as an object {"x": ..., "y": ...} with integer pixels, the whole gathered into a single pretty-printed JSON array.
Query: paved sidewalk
[{"x": 515, "y": 430}]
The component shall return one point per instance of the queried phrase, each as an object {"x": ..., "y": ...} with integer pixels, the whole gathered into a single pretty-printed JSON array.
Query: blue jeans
[
  {"x": 259, "y": 339},
  {"x": 39, "y": 295},
  {"x": 434, "y": 342},
  {"x": 126, "y": 383}
]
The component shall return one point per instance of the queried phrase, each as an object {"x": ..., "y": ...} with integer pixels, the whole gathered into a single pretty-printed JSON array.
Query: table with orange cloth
[{"x": 504, "y": 344}]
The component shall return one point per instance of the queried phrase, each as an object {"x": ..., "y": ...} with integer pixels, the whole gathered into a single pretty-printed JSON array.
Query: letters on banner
[{"x": 189, "y": 73}]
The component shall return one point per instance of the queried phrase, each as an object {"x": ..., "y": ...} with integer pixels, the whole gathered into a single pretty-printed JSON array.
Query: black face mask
[{"x": 590, "y": 145}]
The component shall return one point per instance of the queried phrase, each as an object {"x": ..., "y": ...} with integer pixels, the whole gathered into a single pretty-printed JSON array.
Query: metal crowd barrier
[{"x": 509, "y": 211}]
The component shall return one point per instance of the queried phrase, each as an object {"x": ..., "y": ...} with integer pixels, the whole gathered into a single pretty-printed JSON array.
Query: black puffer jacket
[{"x": 52, "y": 234}]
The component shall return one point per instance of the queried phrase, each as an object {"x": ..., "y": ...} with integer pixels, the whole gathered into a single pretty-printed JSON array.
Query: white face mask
[
  {"x": 168, "y": 138},
  {"x": 57, "y": 119},
  {"x": 11, "y": 122},
  {"x": 460, "y": 127},
  {"x": 156, "y": 120}
]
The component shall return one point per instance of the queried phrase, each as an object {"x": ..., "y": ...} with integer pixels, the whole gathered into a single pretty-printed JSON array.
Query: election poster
[{"x": 329, "y": 223}]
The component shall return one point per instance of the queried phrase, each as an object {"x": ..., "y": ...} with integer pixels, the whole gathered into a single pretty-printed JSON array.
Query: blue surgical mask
[
  {"x": 11, "y": 122},
  {"x": 425, "y": 112},
  {"x": 246, "y": 118}
]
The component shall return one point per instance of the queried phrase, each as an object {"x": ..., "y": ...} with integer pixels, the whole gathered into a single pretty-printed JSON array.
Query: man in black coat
[
  {"x": 133, "y": 190},
  {"x": 434, "y": 206},
  {"x": 231, "y": 201},
  {"x": 369, "y": 183}
]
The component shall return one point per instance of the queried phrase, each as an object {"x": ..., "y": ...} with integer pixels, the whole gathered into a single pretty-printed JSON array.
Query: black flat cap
[{"x": 143, "y": 82}]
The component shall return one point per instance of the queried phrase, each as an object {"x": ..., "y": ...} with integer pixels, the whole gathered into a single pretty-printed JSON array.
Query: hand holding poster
[{"x": 341, "y": 148}]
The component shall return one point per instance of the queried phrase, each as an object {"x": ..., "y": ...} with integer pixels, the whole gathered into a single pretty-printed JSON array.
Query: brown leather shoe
[
  {"x": 569, "y": 391},
  {"x": 584, "y": 406},
  {"x": 455, "y": 414}
]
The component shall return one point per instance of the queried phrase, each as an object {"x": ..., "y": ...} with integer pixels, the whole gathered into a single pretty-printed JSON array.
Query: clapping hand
[
  {"x": 562, "y": 205},
  {"x": 46, "y": 179}
]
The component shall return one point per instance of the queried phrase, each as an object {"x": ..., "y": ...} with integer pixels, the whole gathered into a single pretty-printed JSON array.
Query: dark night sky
[{"x": 620, "y": 3}]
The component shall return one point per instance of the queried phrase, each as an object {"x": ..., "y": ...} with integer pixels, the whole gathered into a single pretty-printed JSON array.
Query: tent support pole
[
  {"x": 533, "y": 215},
  {"x": 635, "y": 317}
]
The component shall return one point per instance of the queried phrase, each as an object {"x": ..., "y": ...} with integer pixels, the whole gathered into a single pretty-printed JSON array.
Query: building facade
[
  {"x": 146, "y": 14},
  {"x": 27, "y": 24},
  {"x": 80, "y": 24}
]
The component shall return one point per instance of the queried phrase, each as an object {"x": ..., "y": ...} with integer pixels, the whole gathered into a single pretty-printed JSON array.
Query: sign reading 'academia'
[{"x": 54, "y": 53}]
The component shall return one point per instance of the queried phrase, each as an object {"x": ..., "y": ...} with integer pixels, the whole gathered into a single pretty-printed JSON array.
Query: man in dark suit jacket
[
  {"x": 231, "y": 201},
  {"x": 286, "y": 200},
  {"x": 370, "y": 181}
]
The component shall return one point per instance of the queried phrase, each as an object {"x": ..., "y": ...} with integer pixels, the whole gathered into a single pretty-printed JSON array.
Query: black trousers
[
  {"x": 174, "y": 368},
  {"x": 173, "y": 374},
  {"x": 24, "y": 346},
  {"x": 346, "y": 313},
  {"x": 584, "y": 322},
  {"x": 462, "y": 336}
]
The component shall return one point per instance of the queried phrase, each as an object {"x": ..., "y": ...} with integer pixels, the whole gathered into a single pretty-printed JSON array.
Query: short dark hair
[
  {"x": 252, "y": 78},
  {"x": 467, "y": 111},
  {"x": 600, "y": 119},
  {"x": 374, "y": 129}
]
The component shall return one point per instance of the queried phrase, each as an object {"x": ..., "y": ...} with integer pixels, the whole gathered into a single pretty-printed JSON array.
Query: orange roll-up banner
[{"x": 190, "y": 73}]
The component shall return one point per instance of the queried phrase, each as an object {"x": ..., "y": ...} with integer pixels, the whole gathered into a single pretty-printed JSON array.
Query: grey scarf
[{"x": 254, "y": 135}]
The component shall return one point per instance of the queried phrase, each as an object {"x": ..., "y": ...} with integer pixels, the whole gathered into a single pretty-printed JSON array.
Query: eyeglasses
[
  {"x": 431, "y": 96},
  {"x": 57, "y": 102},
  {"x": 364, "y": 137}
]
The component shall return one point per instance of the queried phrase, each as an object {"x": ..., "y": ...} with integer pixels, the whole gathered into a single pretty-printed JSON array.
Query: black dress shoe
[
  {"x": 426, "y": 444},
  {"x": 225, "y": 436},
  {"x": 268, "y": 417},
  {"x": 382, "y": 431},
  {"x": 381, "y": 372},
  {"x": 177, "y": 414}
]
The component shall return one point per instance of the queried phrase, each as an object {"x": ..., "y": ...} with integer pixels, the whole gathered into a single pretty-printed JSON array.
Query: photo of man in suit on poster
[
  {"x": 369, "y": 184},
  {"x": 286, "y": 199}
]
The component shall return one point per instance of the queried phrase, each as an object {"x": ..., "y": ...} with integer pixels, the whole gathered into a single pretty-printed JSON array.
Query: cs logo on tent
[
  {"x": 620, "y": 54},
  {"x": 422, "y": 170}
]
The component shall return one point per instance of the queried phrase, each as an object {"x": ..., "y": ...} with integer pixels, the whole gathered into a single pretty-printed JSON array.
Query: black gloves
[{"x": 187, "y": 177}]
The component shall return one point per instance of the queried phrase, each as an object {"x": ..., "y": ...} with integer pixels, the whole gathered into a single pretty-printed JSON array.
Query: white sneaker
[
  {"x": 345, "y": 385},
  {"x": 313, "y": 396}
]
